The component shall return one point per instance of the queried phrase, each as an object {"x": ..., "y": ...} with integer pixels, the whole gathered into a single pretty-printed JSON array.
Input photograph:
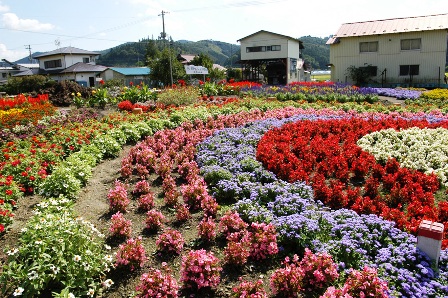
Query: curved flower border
[{"x": 353, "y": 240}]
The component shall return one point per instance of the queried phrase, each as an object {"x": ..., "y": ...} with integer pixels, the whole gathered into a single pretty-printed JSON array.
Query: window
[
  {"x": 409, "y": 70},
  {"x": 263, "y": 49},
  {"x": 368, "y": 47},
  {"x": 369, "y": 70},
  {"x": 3, "y": 74},
  {"x": 411, "y": 44},
  {"x": 273, "y": 48},
  {"x": 255, "y": 49},
  {"x": 85, "y": 60},
  {"x": 53, "y": 63}
]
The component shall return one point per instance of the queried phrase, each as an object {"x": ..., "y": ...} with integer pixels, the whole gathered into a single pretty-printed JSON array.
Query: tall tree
[{"x": 161, "y": 71}]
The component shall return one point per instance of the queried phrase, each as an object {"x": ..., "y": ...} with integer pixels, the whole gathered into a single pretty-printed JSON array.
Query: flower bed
[
  {"x": 353, "y": 240},
  {"x": 233, "y": 175},
  {"x": 399, "y": 93}
]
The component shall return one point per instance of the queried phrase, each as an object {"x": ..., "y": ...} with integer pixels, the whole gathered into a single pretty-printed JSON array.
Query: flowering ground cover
[
  {"x": 198, "y": 211},
  {"x": 399, "y": 93},
  {"x": 22, "y": 110}
]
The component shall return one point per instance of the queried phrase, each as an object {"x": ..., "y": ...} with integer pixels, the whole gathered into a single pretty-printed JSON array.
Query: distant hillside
[
  {"x": 133, "y": 54},
  {"x": 316, "y": 52}
]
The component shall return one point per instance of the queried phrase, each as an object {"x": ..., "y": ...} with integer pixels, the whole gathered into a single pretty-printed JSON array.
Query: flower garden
[{"x": 308, "y": 190}]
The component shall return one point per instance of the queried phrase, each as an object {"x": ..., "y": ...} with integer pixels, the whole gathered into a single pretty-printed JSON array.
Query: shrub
[
  {"x": 158, "y": 283},
  {"x": 118, "y": 197},
  {"x": 231, "y": 222},
  {"x": 178, "y": 96},
  {"x": 146, "y": 202},
  {"x": 120, "y": 226},
  {"x": 237, "y": 250},
  {"x": 200, "y": 269},
  {"x": 263, "y": 240},
  {"x": 154, "y": 220},
  {"x": 171, "y": 241},
  {"x": 131, "y": 254},
  {"x": 248, "y": 289},
  {"x": 206, "y": 229},
  {"x": 56, "y": 252},
  {"x": 182, "y": 212}
]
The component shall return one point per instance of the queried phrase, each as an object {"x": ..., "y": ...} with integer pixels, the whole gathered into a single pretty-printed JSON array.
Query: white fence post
[{"x": 429, "y": 239}]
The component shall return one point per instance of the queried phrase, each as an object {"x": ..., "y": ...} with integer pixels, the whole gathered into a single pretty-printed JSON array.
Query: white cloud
[
  {"x": 3, "y": 8},
  {"x": 11, "y": 55},
  {"x": 12, "y": 21}
]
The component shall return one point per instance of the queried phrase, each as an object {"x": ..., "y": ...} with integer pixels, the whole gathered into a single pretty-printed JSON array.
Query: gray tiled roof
[{"x": 67, "y": 51}]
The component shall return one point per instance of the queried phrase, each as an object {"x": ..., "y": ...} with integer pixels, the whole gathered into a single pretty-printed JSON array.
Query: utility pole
[
  {"x": 163, "y": 36},
  {"x": 28, "y": 47}
]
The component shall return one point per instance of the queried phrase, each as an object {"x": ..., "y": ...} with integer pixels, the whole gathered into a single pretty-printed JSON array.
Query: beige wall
[
  {"x": 389, "y": 56},
  {"x": 264, "y": 39}
]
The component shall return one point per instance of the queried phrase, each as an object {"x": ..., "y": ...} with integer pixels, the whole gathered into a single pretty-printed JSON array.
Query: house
[
  {"x": 70, "y": 63},
  {"x": 9, "y": 69},
  {"x": 392, "y": 52},
  {"x": 186, "y": 59},
  {"x": 136, "y": 75},
  {"x": 271, "y": 57}
]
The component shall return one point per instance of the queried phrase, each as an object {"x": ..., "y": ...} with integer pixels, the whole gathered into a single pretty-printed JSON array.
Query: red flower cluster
[{"x": 325, "y": 154}]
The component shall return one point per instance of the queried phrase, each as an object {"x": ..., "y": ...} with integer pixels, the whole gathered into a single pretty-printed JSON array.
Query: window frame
[
  {"x": 409, "y": 70},
  {"x": 412, "y": 46},
  {"x": 369, "y": 45},
  {"x": 53, "y": 63}
]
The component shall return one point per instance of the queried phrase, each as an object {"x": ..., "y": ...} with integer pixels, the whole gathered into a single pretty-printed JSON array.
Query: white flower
[
  {"x": 12, "y": 252},
  {"x": 38, "y": 242},
  {"x": 33, "y": 275},
  {"x": 107, "y": 247},
  {"x": 77, "y": 258},
  {"x": 18, "y": 291},
  {"x": 108, "y": 258},
  {"x": 24, "y": 230},
  {"x": 108, "y": 283},
  {"x": 91, "y": 292},
  {"x": 70, "y": 295},
  {"x": 54, "y": 269}
]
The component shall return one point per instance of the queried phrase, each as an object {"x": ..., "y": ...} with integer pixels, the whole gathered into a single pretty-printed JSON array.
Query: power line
[{"x": 87, "y": 36}]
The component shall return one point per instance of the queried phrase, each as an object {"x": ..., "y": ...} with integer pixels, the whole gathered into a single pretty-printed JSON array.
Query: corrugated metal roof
[
  {"x": 390, "y": 26},
  {"x": 132, "y": 71}
]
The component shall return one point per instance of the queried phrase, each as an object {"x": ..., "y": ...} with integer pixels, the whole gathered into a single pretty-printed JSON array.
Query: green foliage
[
  {"x": 234, "y": 73},
  {"x": 178, "y": 96},
  {"x": 360, "y": 75},
  {"x": 56, "y": 253},
  {"x": 25, "y": 84},
  {"x": 161, "y": 70},
  {"x": 316, "y": 51},
  {"x": 203, "y": 60},
  {"x": 61, "y": 182}
]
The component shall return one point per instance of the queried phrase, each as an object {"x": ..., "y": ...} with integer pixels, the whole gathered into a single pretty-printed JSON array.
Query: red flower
[
  {"x": 131, "y": 84},
  {"x": 8, "y": 192},
  {"x": 102, "y": 82}
]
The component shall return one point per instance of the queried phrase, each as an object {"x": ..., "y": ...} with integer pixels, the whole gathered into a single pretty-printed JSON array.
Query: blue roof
[{"x": 132, "y": 71}]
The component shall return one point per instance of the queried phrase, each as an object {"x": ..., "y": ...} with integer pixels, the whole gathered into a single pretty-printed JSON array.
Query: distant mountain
[
  {"x": 316, "y": 52},
  {"x": 133, "y": 54}
]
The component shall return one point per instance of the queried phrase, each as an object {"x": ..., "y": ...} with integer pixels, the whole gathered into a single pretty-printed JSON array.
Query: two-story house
[
  {"x": 272, "y": 58},
  {"x": 393, "y": 52},
  {"x": 70, "y": 63}
]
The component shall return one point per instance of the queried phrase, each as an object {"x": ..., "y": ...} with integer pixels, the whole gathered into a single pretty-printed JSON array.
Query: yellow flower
[{"x": 78, "y": 94}]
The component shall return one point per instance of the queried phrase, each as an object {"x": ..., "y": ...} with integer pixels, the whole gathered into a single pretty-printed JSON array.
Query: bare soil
[{"x": 93, "y": 206}]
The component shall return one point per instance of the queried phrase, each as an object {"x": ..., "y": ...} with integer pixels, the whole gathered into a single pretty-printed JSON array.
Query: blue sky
[{"x": 101, "y": 24}]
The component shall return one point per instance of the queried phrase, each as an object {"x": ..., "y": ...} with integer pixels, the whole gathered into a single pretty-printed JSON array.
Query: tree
[
  {"x": 160, "y": 68},
  {"x": 203, "y": 60}
]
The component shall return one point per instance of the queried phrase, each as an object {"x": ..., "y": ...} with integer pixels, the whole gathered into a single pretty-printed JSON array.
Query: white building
[
  {"x": 274, "y": 55},
  {"x": 70, "y": 63},
  {"x": 403, "y": 51}
]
